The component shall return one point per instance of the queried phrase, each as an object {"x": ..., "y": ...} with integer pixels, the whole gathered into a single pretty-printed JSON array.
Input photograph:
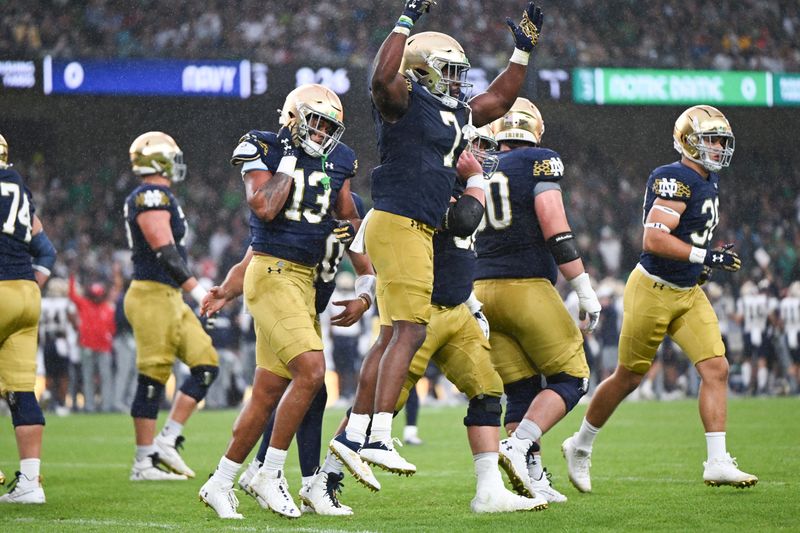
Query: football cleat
[
  {"x": 513, "y": 459},
  {"x": 502, "y": 500},
  {"x": 347, "y": 452},
  {"x": 220, "y": 497},
  {"x": 321, "y": 495},
  {"x": 170, "y": 456},
  {"x": 725, "y": 471},
  {"x": 272, "y": 492},
  {"x": 24, "y": 490},
  {"x": 578, "y": 463},
  {"x": 151, "y": 469},
  {"x": 2, "y": 478},
  {"x": 411, "y": 436},
  {"x": 382, "y": 454},
  {"x": 544, "y": 487},
  {"x": 247, "y": 477}
]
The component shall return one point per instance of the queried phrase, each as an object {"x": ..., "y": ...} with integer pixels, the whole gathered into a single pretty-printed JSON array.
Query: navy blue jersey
[
  {"x": 453, "y": 268},
  {"x": 418, "y": 155},
  {"x": 510, "y": 243},
  {"x": 148, "y": 197},
  {"x": 299, "y": 231},
  {"x": 16, "y": 220},
  {"x": 680, "y": 183},
  {"x": 325, "y": 282}
]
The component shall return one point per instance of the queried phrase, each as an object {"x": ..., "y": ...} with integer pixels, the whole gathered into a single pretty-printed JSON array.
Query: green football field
[{"x": 647, "y": 476}]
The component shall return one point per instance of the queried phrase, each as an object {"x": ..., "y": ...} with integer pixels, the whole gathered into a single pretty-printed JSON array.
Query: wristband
[
  {"x": 581, "y": 284},
  {"x": 402, "y": 29},
  {"x": 198, "y": 293},
  {"x": 697, "y": 255},
  {"x": 658, "y": 226},
  {"x": 287, "y": 165},
  {"x": 477, "y": 180},
  {"x": 405, "y": 21},
  {"x": 364, "y": 298},
  {"x": 520, "y": 57}
]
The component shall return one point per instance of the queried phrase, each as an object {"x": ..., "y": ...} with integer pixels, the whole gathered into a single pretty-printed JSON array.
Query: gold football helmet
[
  {"x": 156, "y": 152},
  {"x": 437, "y": 62},
  {"x": 697, "y": 130},
  {"x": 3, "y": 153},
  {"x": 523, "y": 122},
  {"x": 481, "y": 143},
  {"x": 315, "y": 116}
]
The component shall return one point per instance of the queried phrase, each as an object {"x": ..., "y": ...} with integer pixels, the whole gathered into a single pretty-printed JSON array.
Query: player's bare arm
[
  {"x": 232, "y": 287},
  {"x": 552, "y": 217},
  {"x": 267, "y": 192},
  {"x": 502, "y": 92},
  {"x": 155, "y": 226},
  {"x": 354, "y": 309}
]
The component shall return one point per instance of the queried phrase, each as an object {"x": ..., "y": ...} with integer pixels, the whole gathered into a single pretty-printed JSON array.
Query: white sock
[
  {"x": 715, "y": 444},
  {"x": 584, "y": 438},
  {"x": 143, "y": 451},
  {"x": 226, "y": 470},
  {"x": 486, "y": 471},
  {"x": 332, "y": 465},
  {"x": 253, "y": 467},
  {"x": 381, "y": 427},
  {"x": 535, "y": 469},
  {"x": 171, "y": 430},
  {"x": 528, "y": 430},
  {"x": 275, "y": 459},
  {"x": 29, "y": 468},
  {"x": 356, "y": 429},
  {"x": 762, "y": 375}
]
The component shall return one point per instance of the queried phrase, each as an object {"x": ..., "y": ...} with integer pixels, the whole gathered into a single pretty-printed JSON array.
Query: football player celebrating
[
  {"x": 419, "y": 96},
  {"x": 681, "y": 210},
  {"x": 293, "y": 180},
  {"x": 164, "y": 326},
  {"x": 319, "y": 492},
  {"x": 26, "y": 257},
  {"x": 526, "y": 240}
]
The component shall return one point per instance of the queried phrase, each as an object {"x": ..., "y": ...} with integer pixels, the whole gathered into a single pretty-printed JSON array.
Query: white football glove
[
  {"x": 483, "y": 323},
  {"x": 474, "y": 305},
  {"x": 587, "y": 300}
]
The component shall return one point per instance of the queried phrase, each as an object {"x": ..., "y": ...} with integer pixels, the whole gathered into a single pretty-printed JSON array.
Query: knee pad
[
  {"x": 148, "y": 395},
  {"x": 570, "y": 388},
  {"x": 201, "y": 377},
  {"x": 25, "y": 410},
  {"x": 483, "y": 411},
  {"x": 519, "y": 396}
]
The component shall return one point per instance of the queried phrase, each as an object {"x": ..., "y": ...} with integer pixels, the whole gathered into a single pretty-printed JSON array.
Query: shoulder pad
[
  {"x": 670, "y": 188},
  {"x": 151, "y": 199},
  {"x": 252, "y": 145}
]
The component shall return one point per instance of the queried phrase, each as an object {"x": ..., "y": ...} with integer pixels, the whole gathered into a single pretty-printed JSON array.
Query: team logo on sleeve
[
  {"x": 151, "y": 198},
  {"x": 671, "y": 188},
  {"x": 548, "y": 167}
]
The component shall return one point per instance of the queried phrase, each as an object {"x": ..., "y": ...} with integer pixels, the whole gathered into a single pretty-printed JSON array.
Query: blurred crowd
[{"x": 738, "y": 35}]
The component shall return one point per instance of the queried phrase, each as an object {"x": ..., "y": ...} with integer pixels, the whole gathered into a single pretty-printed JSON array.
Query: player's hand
[
  {"x": 723, "y": 259},
  {"x": 415, "y": 8},
  {"x": 526, "y": 35},
  {"x": 288, "y": 142},
  {"x": 213, "y": 301},
  {"x": 468, "y": 165},
  {"x": 344, "y": 232},
  {"x": 483, "y": 323},
  {"x": 353, "y": 311},
  {"x": 704, "y": 276},
  {"x": 588, "y": 302}
]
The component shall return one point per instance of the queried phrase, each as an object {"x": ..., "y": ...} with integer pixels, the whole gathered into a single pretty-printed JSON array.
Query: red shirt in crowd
[{"x": 97, "y": 327}]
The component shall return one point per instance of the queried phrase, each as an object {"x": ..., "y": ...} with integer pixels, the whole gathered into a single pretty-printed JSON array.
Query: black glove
[
  {"x": 415, "y": 8},
  {"x": 723, "y": 259},
  {"x": 286, "y": 138},
  {"x": 526, "y": 35},
  {"x": 344, "y": 232}
]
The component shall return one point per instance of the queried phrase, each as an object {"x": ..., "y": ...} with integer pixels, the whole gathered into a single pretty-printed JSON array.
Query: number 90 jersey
[
  {"x": 418, "y": 156},
  {"x": 680, "y": 183},
  {"x": 510, "y": 243},
  {"x": 299, "y": 231},
  {"x": 16, "y": 218}
]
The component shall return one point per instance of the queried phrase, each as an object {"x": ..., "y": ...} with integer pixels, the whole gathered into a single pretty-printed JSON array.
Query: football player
[
  {"x": 319, "y": 492},
  {"x": 681, "y": 210},
  {"x": 523, "y": 244},
  {"x": 789, "y": 310},
  {"x": 26, "y": 257},
  {"x": 164, "y": 326},
  {"x": 419, "y": 95},
  {"x": 294, "y": 180}
]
